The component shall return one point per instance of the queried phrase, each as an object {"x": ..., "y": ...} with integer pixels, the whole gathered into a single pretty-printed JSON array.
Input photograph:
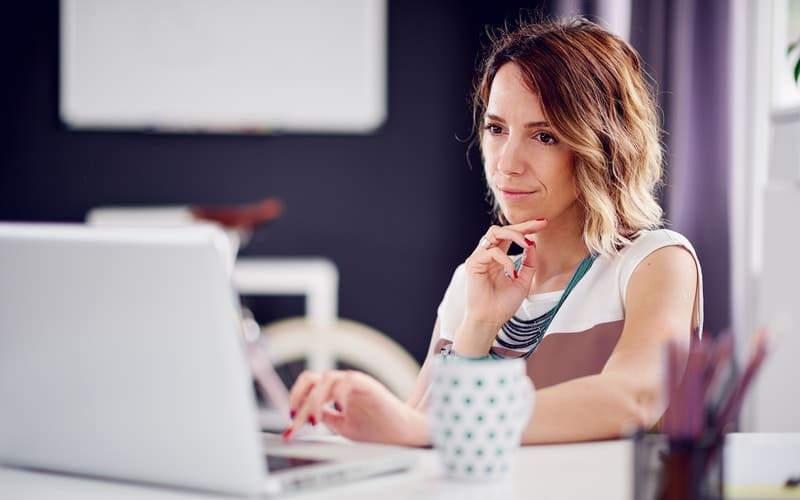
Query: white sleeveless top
[{"x": 586, "y": 328}]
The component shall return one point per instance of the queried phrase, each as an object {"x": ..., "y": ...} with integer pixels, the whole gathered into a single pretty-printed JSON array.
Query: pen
[
  {"x": 675, "y": 406},
  {"x": 686, "y": 389},
  {"x": 721, "y": 376},
  {"x": 694, "y": 382},
  {"x": 721, "y": 355},
  {"x": 732, "y": 404},
  {"x": 734, "y": 401}
]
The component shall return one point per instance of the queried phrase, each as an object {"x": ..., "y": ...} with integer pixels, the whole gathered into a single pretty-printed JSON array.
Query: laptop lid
[{"x": 120, "y": 356}]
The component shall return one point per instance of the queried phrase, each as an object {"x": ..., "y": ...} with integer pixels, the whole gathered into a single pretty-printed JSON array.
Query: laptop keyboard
[{"x": 277, "y": 462}]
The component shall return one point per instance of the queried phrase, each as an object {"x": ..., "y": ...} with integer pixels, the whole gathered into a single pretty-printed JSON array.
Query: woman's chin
[{"x": 517, "y": 218}]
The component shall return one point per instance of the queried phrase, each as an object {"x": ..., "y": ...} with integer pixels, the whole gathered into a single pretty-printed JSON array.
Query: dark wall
[{"x": 396, "y": 210}]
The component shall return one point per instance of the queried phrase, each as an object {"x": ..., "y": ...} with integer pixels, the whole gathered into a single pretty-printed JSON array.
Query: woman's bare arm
[
  {"x": 659, "y": 307},
  {"x": 419, "y": 394}
]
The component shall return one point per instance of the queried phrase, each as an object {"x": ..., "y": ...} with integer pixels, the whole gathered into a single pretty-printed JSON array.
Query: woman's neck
[{"x": 559, "y": 250}]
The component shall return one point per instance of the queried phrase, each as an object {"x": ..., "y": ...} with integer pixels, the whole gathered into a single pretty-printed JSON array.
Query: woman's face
[{"x": 529, "y": 170}]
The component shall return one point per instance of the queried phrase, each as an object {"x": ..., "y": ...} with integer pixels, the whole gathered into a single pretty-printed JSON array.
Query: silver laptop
[{"x": 121, "y": 357}]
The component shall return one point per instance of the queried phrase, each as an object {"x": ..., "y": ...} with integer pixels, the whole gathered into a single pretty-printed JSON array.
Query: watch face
[{"x": 446, "y": 350}]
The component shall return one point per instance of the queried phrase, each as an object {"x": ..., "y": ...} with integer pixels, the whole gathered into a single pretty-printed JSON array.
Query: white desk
[{"x": 578, "y": 471}]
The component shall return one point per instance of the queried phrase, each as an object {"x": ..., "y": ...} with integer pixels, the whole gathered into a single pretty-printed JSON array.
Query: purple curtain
[{"x": 684, "y": 44}]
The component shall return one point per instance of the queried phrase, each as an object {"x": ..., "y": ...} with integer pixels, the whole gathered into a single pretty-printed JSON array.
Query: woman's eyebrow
[
  {"x": 537, "y": 124},
  {"x": 542, "y": 123}
]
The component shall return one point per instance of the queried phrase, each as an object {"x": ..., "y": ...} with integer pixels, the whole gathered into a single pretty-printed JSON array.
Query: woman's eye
[
  {"x": 545, "y": 138},
  {"x": 494, "y": 129}
]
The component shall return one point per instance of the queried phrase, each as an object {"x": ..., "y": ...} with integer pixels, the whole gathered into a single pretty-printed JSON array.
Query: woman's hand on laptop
[{"x": 355, "y": 406}]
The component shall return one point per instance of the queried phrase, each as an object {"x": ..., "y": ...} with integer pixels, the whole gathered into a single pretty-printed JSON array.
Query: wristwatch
[{"x": 447, "y": 352}]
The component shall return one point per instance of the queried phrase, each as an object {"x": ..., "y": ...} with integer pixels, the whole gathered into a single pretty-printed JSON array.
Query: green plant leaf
[
  {"x": 794, "y": 46},
  {"x": 797, "y": 72}
]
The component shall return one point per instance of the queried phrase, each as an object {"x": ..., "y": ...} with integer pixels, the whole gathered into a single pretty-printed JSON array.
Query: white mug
[{"x": 478, "y": 409}]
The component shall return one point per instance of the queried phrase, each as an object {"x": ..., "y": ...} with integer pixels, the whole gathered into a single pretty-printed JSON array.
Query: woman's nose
[{"x": 511, "y": 160}]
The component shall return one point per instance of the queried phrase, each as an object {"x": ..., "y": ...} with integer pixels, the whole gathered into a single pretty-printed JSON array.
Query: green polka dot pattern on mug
[{"x": 478, "y": 411}]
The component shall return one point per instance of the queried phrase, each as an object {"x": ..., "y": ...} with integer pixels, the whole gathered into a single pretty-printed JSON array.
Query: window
[{"x": 786, "y": 24}]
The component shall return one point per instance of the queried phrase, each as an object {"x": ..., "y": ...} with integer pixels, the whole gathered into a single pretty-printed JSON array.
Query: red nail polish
[
  {"x": 312, "y": 420},
  {"x": 292, "y": 413},
  {"x": 287, "y": 433},
  {"x": 516, "y": 274},
  {"x": 529, "y": 242}
]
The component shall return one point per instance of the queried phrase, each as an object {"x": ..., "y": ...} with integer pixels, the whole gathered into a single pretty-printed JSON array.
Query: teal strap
[
  {"x": 579, "y": 273},
  {"x": 583, "y": 268}
]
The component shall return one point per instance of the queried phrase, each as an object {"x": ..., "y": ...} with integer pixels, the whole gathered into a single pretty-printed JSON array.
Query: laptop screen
[{"x": 121, "y": 356}]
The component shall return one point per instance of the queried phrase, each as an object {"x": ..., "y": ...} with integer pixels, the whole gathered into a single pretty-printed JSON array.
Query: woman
[{"x": 570, "y": 140}]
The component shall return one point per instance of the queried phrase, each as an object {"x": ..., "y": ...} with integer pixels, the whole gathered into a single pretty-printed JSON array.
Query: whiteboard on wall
[{"x": 224, "y": 65}]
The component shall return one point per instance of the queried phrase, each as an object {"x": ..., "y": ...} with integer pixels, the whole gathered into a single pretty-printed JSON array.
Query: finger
[
  {"x": 529, "y": 226},
  {"x": 502, "y": 236},
  {"x": 333, "y": 420},
  {"x": 507, "y": 263},
  {"x": 505, "y": 235},
  {"x": 528, "y": 267},
  {"x": 341, "y": 390},
  {"x": 496, "y": 237},
  {"x": 311, "y": 407},
  {"x": 302, "y": 386},
  {"x": 485, "y": 262},
  {"x": 491, "y": 238},
  {"x": 325, "y": 392},
  {"x": 300, "y": 390}
]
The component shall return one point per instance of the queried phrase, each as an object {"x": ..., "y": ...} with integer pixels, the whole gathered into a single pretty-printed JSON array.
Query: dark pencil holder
[{"x": 692, "y": 469}]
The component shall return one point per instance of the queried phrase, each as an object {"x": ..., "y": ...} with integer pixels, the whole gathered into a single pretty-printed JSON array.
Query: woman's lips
[{"x": 514, "y": 194}]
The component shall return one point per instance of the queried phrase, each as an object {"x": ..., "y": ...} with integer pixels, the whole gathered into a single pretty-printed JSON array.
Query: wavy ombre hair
[{"x": 597, "y": 97}]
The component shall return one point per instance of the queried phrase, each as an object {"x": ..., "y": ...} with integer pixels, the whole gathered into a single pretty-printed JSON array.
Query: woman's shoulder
[
  {"x": 650, "y": 240},
  {"x": 647, "y": 242},
  {"x": 644, "y": 244},
  {"x": 620, "y": 266}
]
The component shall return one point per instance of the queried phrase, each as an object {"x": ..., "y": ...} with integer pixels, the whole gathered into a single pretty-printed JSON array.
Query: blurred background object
[{"x": 223, "y": 65}]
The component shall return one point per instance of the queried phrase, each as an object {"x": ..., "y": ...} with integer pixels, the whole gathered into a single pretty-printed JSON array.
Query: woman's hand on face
[
  {"x": 495, "y": 289},
  {"x": 356, "y": 406}
]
